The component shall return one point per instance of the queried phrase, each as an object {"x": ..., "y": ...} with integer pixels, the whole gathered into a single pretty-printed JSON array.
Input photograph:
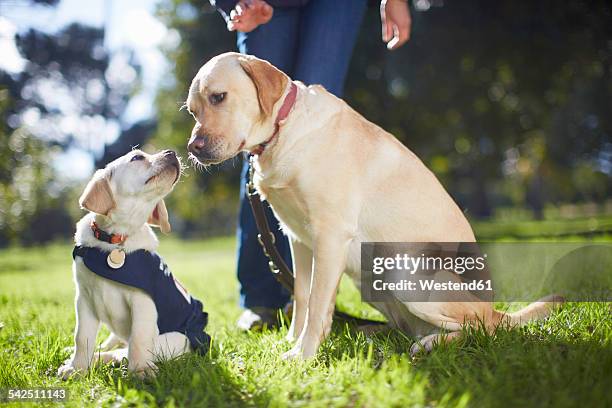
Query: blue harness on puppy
[{"x": 177, "y": 311}]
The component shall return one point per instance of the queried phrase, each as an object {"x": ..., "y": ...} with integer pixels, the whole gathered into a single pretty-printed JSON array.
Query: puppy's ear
[
  {"x": 98, "y": 196},
  {"x": 159, "y": 217},
  {"x": 269, "y": 81}
]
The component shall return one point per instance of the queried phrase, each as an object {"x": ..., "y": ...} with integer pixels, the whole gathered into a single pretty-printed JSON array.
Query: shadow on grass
[
  {"x": 191, "y": 380},
  {"x": 565, "y": 361}
]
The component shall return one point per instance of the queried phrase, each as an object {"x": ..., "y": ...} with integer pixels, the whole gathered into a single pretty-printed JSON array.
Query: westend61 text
[{"x": 432, "y": 285}]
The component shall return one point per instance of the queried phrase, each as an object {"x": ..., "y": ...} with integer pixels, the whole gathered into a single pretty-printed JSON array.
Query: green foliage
[
  {"x": 206, "y": 202},
  {"x": 25, "y": 178},
  {"x": 563, "y": 361},
  {"x": 506, "y": 102}
]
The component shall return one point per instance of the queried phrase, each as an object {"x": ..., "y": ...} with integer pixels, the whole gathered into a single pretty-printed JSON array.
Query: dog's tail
[{"x": 537, "y": 310}]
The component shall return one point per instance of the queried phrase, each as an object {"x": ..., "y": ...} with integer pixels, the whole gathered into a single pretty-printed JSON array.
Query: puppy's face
[
  {"x": 232, "y": 99},
  {"x": 144, "y": 177},
  {"x": 133, "y": 187}
]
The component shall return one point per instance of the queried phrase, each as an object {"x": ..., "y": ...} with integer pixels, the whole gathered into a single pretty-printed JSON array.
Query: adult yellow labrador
[{"x": 334, "y": 180}]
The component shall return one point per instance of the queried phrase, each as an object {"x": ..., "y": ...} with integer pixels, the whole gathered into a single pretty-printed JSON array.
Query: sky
[{"x": 129, "y": 24}]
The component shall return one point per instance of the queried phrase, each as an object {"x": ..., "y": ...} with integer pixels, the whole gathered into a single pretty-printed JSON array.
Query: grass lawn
[{"x": 563, "y": 361}]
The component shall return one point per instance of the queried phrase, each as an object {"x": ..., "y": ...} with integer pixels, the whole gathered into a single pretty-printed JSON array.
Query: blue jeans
[{"x": 312, "y": 44}]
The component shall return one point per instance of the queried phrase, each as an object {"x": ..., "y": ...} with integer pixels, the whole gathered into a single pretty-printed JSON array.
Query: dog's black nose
[
  {"x": 196, "y": 145},
  {"x": 169, "y": 152}
]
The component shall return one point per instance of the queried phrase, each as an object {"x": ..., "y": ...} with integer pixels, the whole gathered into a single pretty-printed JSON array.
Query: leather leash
[
  {"x": 277, "y": 265},
  {"x": 266, "y": 237}
]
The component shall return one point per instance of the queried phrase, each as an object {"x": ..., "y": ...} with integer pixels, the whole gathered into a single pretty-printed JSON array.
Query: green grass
[
  {"x": 522, "y": 229},
  {"x": 563, "y": 361}
]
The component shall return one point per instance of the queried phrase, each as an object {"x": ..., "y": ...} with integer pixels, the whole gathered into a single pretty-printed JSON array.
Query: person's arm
[{"x": 396, "y": 22}]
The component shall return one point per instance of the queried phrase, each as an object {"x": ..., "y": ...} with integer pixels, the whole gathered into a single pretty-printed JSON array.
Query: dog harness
[{"x": 177, "y": 310}]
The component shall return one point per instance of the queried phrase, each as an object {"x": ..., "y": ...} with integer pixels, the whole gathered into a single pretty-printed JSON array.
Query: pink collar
[{"x": 283, "y": 112}]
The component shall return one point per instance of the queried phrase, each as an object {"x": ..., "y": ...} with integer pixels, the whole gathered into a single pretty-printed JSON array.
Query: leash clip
[
  {"x": 250, "y": 185},
  {"x": 273, "y": 267}
]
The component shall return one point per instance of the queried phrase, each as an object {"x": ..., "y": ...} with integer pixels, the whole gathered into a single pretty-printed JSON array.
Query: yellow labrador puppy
[
  {"x": 334, "y": 180},
  {"x": 120, "y": 279}
]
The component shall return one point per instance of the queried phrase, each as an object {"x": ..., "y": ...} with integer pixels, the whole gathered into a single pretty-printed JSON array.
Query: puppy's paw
[
  {"x": 144, "y": 371},
  {"x": 119, "y": 357},
  {"x": 67, "y": 370}
]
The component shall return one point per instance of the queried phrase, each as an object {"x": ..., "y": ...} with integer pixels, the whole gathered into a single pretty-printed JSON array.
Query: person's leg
[
  {"x": 275, "y": 42},
  {"x": 328, "y": 33}
]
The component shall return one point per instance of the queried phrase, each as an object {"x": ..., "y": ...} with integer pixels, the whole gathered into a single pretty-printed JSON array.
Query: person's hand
[
  {"x": 396, "y": 22},
  {"x": 248, "y": 14}
]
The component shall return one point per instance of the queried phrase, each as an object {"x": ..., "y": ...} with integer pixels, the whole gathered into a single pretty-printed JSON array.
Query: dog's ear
[
  {"x": 269, "y": 81},
  {"x": 159, "y": 217},
  {"x": 98, "y": 196}
]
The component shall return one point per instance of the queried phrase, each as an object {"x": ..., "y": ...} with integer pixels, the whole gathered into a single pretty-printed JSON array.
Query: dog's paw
[
  {"x": 119, "y": 357},
  {"x": 67, "y": 370},
  {"x": 68, "y": 350},
  {"x": 417, "y": 348},
  {"x": 424, "y": 345},
  {"x": 144, "y": 371},
  {"x": 428, "y": 343},
  {"x": 294, "y": 354},
  {"x": 300, "y": 351}
]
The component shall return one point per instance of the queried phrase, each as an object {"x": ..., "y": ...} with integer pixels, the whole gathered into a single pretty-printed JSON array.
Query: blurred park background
[{"x": 509, "y": 103}]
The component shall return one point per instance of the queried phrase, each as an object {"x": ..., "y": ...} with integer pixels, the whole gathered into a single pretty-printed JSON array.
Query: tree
[
  {"x": 505, "y": 101},
  {"x": 71, "y": 94},
  {"x": 207, "y": 203}
]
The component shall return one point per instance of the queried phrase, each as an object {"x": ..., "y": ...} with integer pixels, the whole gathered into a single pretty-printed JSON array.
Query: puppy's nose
[
  {"x": 169, "y": 152},
  {"x": 196, "y": 145}
]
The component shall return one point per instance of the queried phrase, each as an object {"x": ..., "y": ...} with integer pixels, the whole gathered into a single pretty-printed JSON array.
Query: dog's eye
[
  {"x": 137, "y": 157},
  {"x": 217, "y": 98}
]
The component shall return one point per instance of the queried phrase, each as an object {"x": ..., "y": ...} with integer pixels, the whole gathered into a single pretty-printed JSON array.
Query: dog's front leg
[
  {"x": 87, "y": 325},
  {"x": 302, "y": 267},
  {"x": 330, "y": 251},
  {"x": 143, "y": 335}
]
